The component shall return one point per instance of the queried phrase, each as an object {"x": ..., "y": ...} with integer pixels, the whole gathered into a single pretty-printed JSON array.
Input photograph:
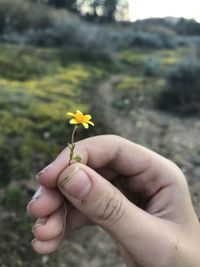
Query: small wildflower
[{"x": 78, "y": 119}]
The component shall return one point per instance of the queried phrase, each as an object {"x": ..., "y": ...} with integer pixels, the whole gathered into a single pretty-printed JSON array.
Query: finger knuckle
[
  {"x": 111, "y": 209},
  {"x": 175, "y": 170}
]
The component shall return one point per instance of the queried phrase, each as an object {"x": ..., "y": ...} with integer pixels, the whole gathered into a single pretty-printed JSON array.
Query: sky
[{"x": 140, "y": 9}]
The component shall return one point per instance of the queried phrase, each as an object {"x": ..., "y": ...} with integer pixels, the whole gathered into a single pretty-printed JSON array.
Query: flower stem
[
  {"x": 73, "y": 133},
  {"x": 72, "y": 145}
]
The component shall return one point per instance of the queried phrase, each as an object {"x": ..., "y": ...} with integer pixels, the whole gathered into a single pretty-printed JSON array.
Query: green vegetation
[
  {"x": 188, "y": 27},
  {"x": 29, "y": 62},
  {"x": 148, "y": 68},
  {"x": 133, "y": 58},
  {"x": 109, "y": 8},
  {"x": 146, "y": 82},
  {"x": 137, "y": 91},
  {"x": 33, "y": 101},
  {"x": 163, "y": 57},
  {"x": 13, "y": 196},
  {"x": 20, "y": 15},
  {"x": 139, "y": 83},
  {"x": 182, "y": 91}
]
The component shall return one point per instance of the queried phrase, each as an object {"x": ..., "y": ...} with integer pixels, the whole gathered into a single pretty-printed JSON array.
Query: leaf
[
  {"x": 77, "y": 158},
  {"x": 70, "y": 146}
]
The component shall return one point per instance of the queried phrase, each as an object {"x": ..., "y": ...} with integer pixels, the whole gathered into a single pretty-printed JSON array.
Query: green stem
[
  {"x": 72, "y": 144},
  {"x": 73, "y": 133}
]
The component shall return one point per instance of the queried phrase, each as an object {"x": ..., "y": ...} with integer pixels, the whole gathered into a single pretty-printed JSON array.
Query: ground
[{"x": 126, "y": 110}]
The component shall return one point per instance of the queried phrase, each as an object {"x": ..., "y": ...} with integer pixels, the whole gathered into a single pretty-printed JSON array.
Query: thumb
[{"x": 104, "y": 204}]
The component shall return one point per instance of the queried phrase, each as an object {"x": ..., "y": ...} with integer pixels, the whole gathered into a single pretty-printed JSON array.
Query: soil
[{"x": 174, "y": 137}]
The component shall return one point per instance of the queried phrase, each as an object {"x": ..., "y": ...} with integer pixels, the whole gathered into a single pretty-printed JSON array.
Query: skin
[{"x": 139, "y": 197}]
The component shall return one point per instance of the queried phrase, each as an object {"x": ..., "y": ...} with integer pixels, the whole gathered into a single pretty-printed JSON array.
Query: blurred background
[{"x": 134, "y": 65}]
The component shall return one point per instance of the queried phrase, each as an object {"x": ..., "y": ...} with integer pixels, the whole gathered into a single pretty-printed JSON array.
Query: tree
[
  {"x": 122, "y": 11},
  {"x": 69, "y": 4},
  {"x": 109, "y": 7},
  {"x": 93, "y": 10},
  {"x": 103, "y": 10}
]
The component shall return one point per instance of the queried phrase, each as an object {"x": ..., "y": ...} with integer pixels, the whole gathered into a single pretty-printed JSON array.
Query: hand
[{"x": 139, "y": 197}]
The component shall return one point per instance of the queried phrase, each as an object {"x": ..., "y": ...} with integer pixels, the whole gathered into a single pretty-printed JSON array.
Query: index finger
[{"x": 121, "y": 155}]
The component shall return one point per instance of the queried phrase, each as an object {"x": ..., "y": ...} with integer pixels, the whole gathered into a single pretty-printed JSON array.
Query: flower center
[{"x": 80, "y": 118}]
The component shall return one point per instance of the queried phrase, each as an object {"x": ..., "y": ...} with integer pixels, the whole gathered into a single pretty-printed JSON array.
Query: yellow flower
[{"x": 80, "y": 118}]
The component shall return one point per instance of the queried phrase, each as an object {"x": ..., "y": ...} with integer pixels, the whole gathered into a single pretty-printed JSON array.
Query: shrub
[
  {"x": 151, "y": 67},
  {"x": 29, "y": 62},
  {"x": 188, "y": 27},
  {"x": 182, "y": 91},
  {"x": 13, "y": 195},
  {"x": 142, "y": 39},
  {"x": 20, "y": 15},
  {"x": 89, "y": 42}
]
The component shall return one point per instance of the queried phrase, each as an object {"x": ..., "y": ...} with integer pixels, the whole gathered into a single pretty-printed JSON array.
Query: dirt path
[{"x": 104, "y": 100}]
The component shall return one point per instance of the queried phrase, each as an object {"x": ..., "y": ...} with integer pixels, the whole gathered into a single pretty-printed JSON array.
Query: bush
[
  {"x": 142, "y": 39},
  {"x": 151, "y": 67},
  {"x": 90, "y": 42},
  {"x": 44, "y": 26},
  {"x": 188, "y": 27},
  {"x": 20, "y": 15},
  {"x": 13, "y": 196},
  {"x": 182, "y": 91},
  {"x": 29, "y": 62}
]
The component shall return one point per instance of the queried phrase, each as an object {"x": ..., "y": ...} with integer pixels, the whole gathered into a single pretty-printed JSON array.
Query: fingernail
[
  {"x": 37, "y": 225},
  {"x": 39, "y": 222},
  {"x": 77, "y": 184},
  {"x": 37, "y": 194},
  {"x": 32, "y": 242},
  {"x": 43, "y": 171},
  {"x": 34, "y": 198}
]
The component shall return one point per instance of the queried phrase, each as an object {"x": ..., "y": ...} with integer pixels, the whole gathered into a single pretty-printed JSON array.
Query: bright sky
[{"x": 140, "y": 9}]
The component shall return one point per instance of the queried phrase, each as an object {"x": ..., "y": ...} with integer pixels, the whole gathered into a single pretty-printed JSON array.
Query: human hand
[{"x": 139, "y": 197}]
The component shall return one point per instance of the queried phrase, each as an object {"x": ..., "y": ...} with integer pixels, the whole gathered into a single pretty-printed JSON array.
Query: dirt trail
[{"x": 104, "y": 100}]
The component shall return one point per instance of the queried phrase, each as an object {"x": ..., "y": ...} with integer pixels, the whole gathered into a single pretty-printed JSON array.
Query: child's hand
[{"x": 139, "y": 197}]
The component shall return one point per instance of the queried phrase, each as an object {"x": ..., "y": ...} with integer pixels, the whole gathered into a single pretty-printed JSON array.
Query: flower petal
[
  {"x": 88, "y": 117},
  {"x": 85, "y": 125},
  {"x": 70, "y": 114},
  {"x": 90, "y": 122},
  {"x": 73, "y": 121},
  {"x": 79, "y": 112}
]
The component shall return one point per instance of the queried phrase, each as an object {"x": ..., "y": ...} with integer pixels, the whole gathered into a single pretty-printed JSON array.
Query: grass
[
  {"x": 29, "y": 62},
  {"x": 167, "y": 57},
  {"x": 137, "y": 83},
  {"x": 132, "y": 57}
]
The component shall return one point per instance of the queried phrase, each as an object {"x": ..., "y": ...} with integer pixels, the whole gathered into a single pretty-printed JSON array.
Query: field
[{"x": 38, "y": 85}]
